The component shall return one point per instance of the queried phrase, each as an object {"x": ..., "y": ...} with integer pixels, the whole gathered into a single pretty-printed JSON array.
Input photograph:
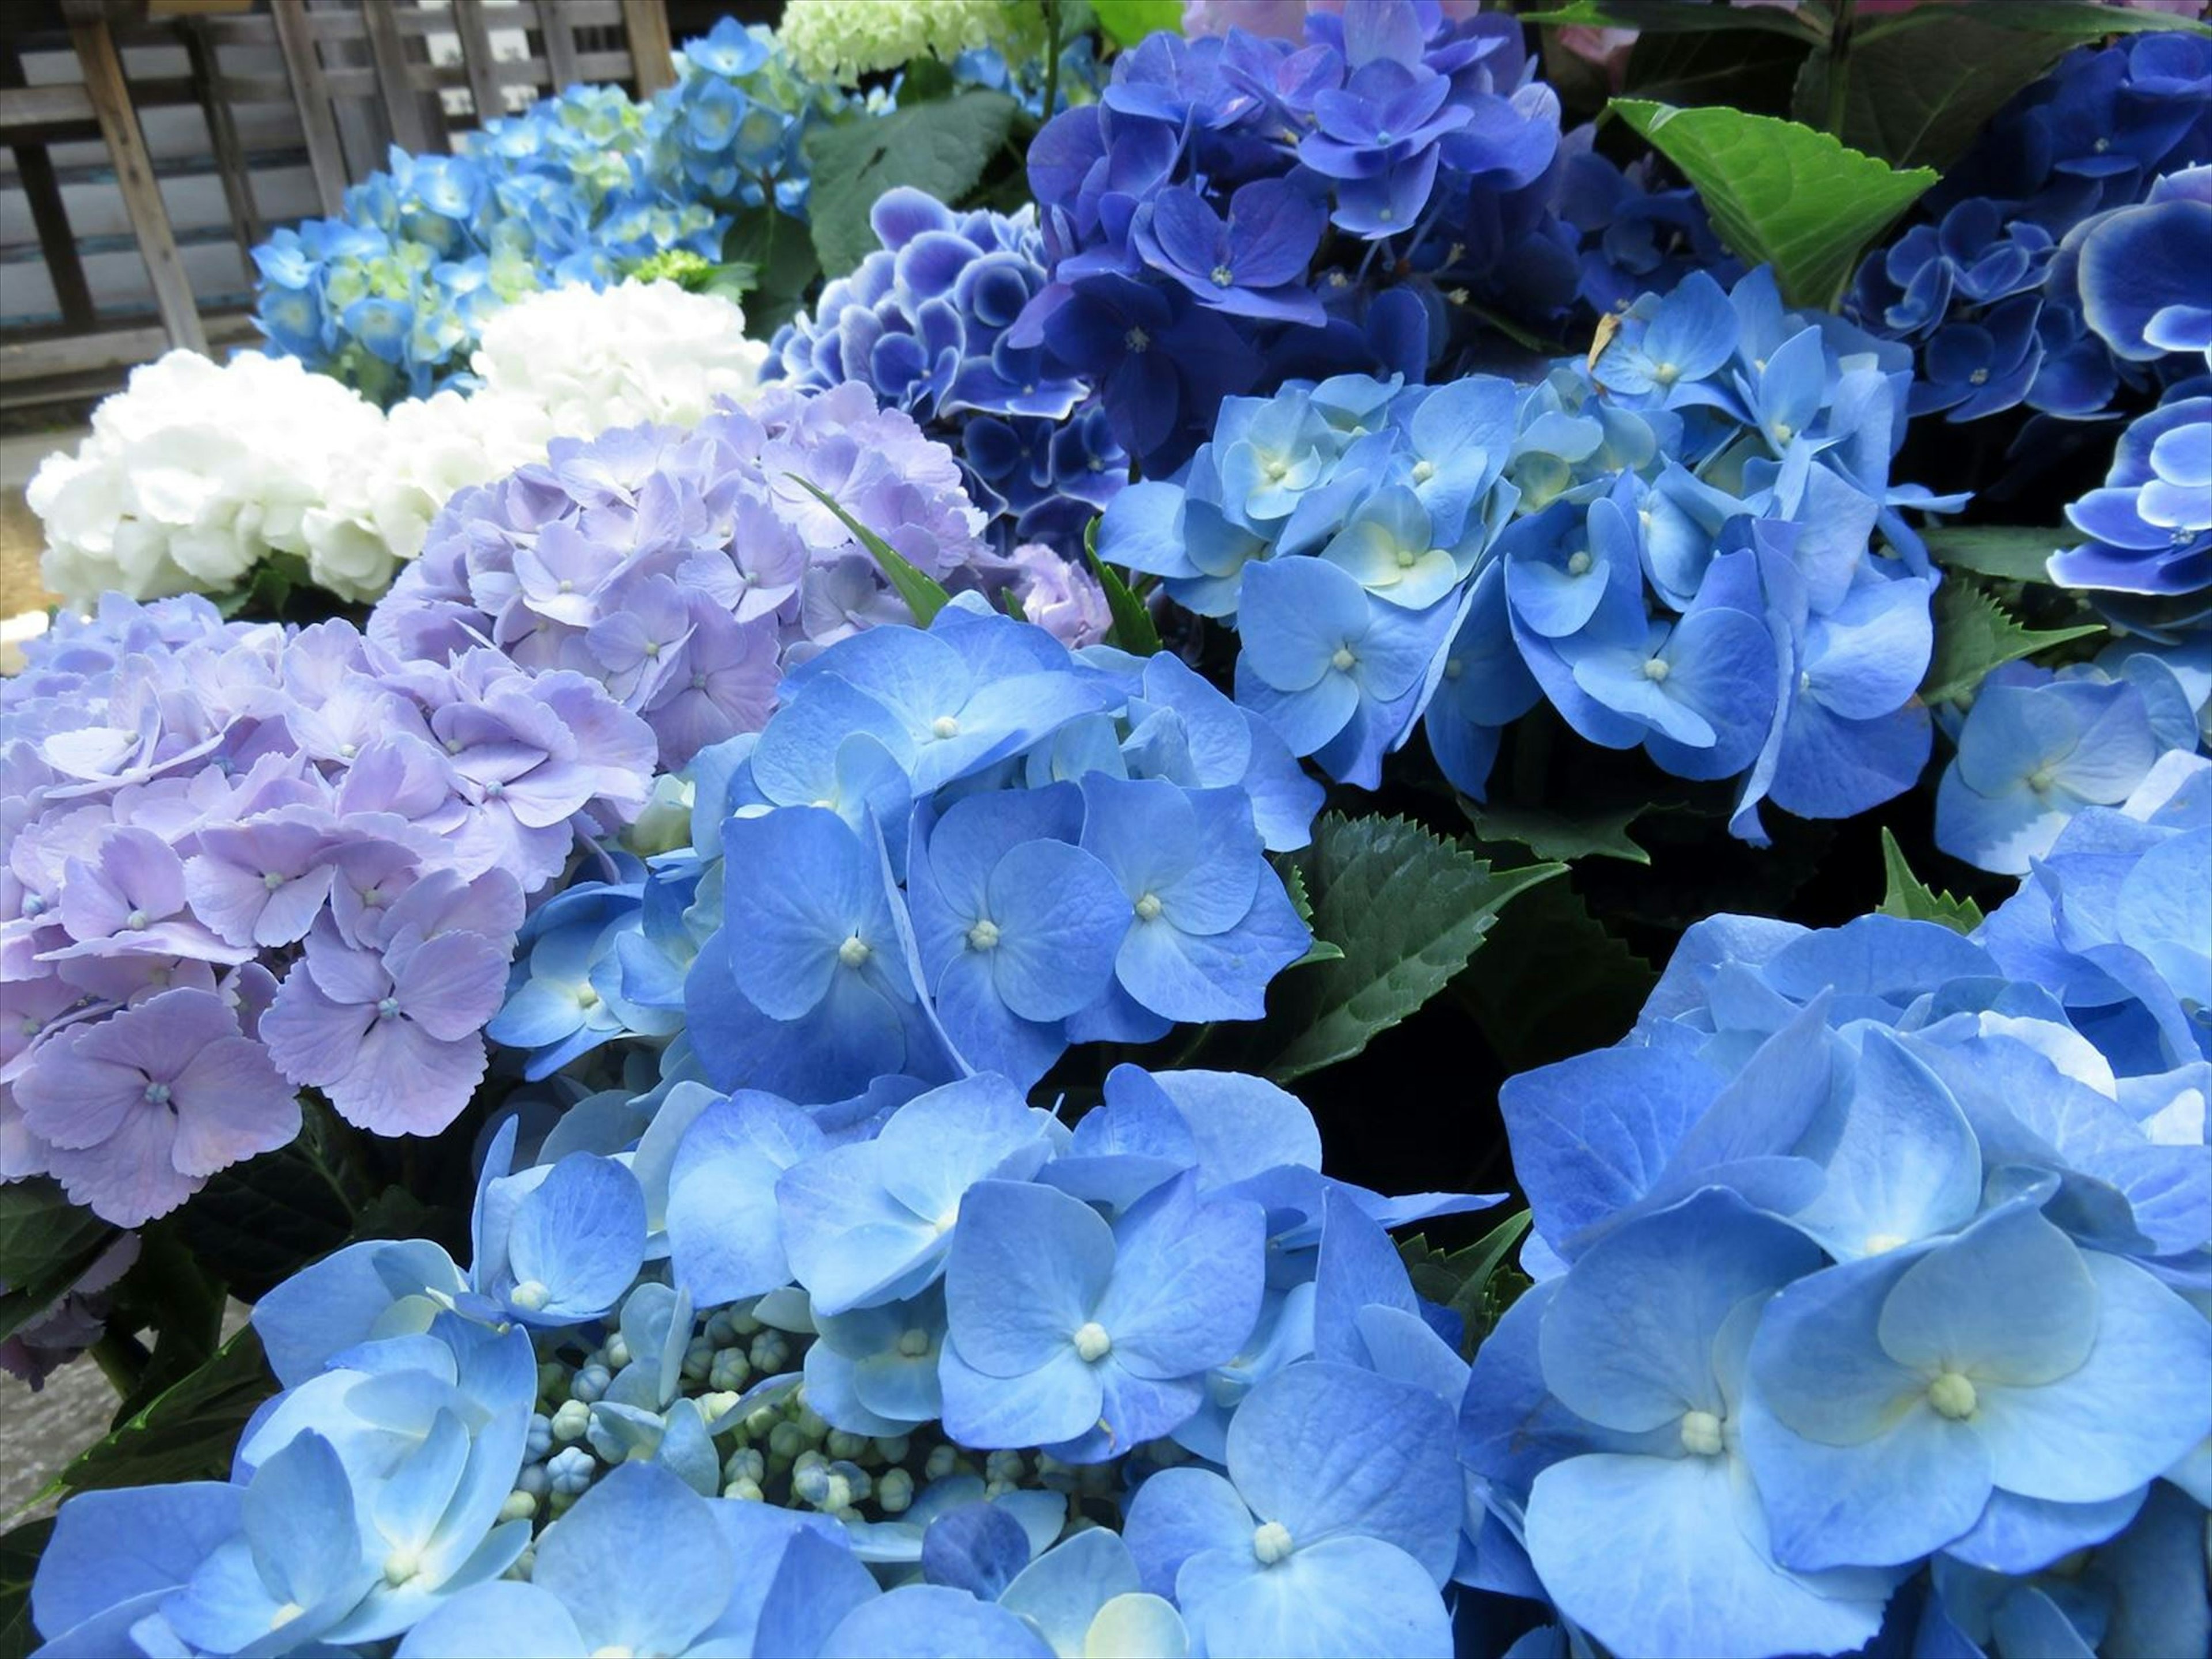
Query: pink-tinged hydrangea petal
[
  {"x": 405, "y": 1081},
  {"x": 128, "y": 1179},
  {"x": 313, "y": 1039},
  {"x": 450, "y": 984},
  {"x": 230, "y": 1104}
]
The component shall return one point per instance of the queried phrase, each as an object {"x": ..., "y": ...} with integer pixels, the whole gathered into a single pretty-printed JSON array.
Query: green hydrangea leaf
[
  {"x": 941, "y": 147},
  {"x": 1779, "y": 194},
  {"x": 1908, "y": 896}
]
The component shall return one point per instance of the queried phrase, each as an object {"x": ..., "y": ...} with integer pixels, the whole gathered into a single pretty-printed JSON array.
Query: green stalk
[{"x": 1051, "y": 58}]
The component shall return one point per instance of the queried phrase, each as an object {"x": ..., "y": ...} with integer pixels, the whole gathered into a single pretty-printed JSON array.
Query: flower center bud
[
  {"x": 1701, "y": 1434},
  {"x": 1666, "y": 373},
  {"x": 1423, "y": 470},
  {"x": 652, "y": 648},
  {"x": 388, "y": 1008},
  {"x": 1951, "y": 1395},
  {"x": 1578, "y": 564},
  {"x": 853, "y": 952},
  {"x": 567, "y": 587},
  {"x": 984, "y": 936},
  {"x": 1655, "y": 669},
  {"x": 270, "y": 880},
  {"x": 2039, "y": 779},
  {"x": 529, "y": 1296},
  {"x": 945, "y": 726},
  {"x": 1092, "y": 1342},
  {"x": 586, "y": 997},
  {"x": 135, "y": 920},
  {"x": 401, "y": 1565},
  {"x": 1783, "y": 431},
  {"x": 347, "y": 750},
  {"x": 1271, "y": 1542},
  {"x": 1224, "y": 277},
  {"x": 1277, "y": 467},
  {"x": 1453, "y": 668},
  {"x": 698, "y": 682},
  {"x": 1137, "y": 340},
  {"x": 1343, "y": 659},
  {"x": 1883, "y": 1243},
  {"x": 285, "y": 1614},
  {"x": 913, "y": 1344},
  {"x": 1148, "y": 907},
  {"x": 157, "y": 1094},
  {"x": 494, "y": 790},
  {"x": 1980, "y": 377},
  {"x": 1408, "y": 558}
]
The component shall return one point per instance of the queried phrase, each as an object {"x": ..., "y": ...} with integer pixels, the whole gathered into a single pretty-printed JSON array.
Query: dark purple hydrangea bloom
[
  {"x": 1986, "y": 282},
  {"x": 187, "y": 800},
  {"x": 924, "y": 321},
  {"x": 1184, "y": 214}
]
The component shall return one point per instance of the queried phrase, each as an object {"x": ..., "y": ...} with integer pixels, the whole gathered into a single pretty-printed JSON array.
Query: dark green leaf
[
  {"x": 1133, "y": 629},
  {"x": 1974, "y": 634},
  {"x": 1552, "y": 980},
  {"x": 1405, "y": 908},
  {"x": 940, "y": 148},
  {"x": 187, "y": 1433},
  {"x": 170, "y": 1291},
  {"x": 1920, "y": 98},
  {"x": 1779, "y": 194},
  {"x": 1908, "y": 896},
  {"x": 1751, "y": 72},
  {"x": 1125, "y": 22},
  {"x": 780, "y": 254},
  {"x": 924, "y": 595},
  {"x": 2074, "y": 21},
  {"x": 2011, "y": 552},
  {"x": 1294, "y": 883},
  {"x": 1549, "y": 835},
  {"x": 259, "y": 1222},
  {"x": 1464, "y": 1280},
  {"x": 1672, "y": 17},
  {"x": 19, "y": 1550},
  {"x": 46, "y": 1240}
]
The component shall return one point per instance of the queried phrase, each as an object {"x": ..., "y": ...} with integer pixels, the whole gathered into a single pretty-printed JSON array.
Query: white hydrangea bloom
[
  {"x": 594, "y": 359},
  {"x": 199, "y": 470},
  {"x": 193, "y": 474},
  {"x": 379, "y": 507}
]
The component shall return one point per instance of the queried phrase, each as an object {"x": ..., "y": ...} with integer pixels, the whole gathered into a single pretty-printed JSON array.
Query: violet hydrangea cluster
[
  {"x": 1153, "y": 1384},
  {"x": 925, "y": 322},
  {"x": 1235, "y": 211},
  {"x": 1929, "y": 1215},
  {"x": 247, "y": 860},
  {"x": 685, "y": 570},
  {"x": 1690, "y": 544},
  {"x": 2062, "y": 272},
  {"x": 984, "y": 847}
]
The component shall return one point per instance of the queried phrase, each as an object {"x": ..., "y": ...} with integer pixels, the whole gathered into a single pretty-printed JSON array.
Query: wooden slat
[
  {"x": 27, "y": 109},
  {"x": 304, "y": 64},
  {"x": 231, "y": 165},
  {"x": 134, "y": 175},
  {"x": 402, "y": 108},
  {"x": 48, "y": 214},
  {"x": 477, "y": 60},
  {"x": 113, "y": 348},
  {"x": 556, "y": 28},
  {"x": 647, "y": 22}
]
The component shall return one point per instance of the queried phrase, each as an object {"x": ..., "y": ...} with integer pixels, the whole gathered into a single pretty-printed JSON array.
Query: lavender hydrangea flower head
[
  {"x": 202, "y": 810},
  {"x": 682, "y": 571}
]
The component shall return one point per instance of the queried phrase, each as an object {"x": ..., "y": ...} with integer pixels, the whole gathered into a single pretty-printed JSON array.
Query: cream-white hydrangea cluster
[
  {"x": 842, "y": 40},
  {"x": 194, "y": 474},
  {"x": 199, "y": 471}
]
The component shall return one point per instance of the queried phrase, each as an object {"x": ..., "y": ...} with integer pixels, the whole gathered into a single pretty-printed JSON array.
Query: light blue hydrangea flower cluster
[
  {"x": 924, "y": 322},
  {"x": 582, "y": 187},
  {"x": 1928, "y": 1218},
  {"x": 986, "y": 847},
  {"x": 2037, "y": 745},
  {"x": 1675, "y": 544},
  {"x": 246, "y": 860},
  {"x": 392, "y": 297},
  {"x": 683, "y": 1400}
]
